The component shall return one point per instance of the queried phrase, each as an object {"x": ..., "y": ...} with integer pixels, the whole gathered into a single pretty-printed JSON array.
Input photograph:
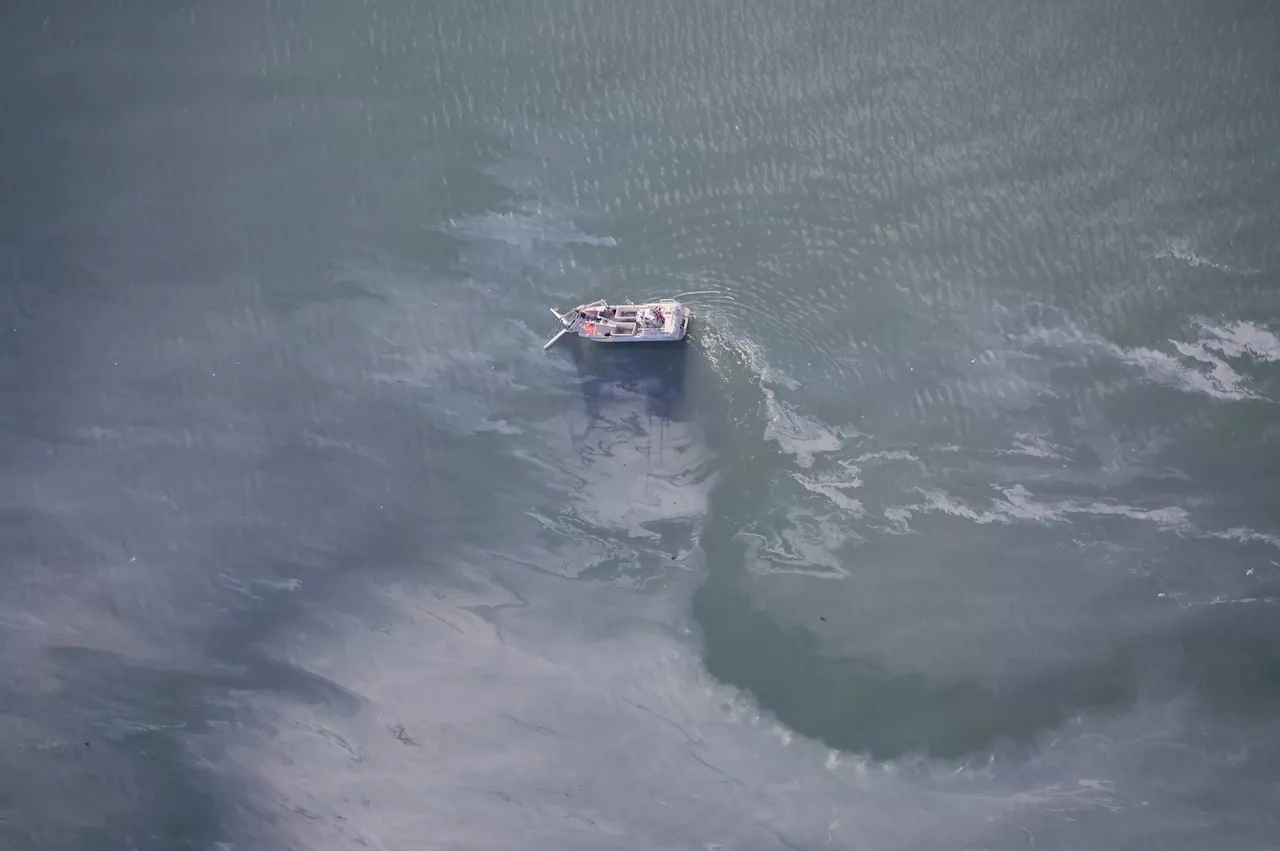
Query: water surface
[{"x": 952, "y": 525}]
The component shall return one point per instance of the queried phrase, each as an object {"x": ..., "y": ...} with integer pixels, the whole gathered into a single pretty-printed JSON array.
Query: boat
[{"x": 662, "y": 321}]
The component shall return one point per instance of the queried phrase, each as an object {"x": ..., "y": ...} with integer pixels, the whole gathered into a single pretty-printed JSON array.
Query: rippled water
[{"x": 952, "y": 525}]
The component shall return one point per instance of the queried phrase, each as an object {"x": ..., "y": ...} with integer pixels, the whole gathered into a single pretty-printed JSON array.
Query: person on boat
[{"x": 657, "y": 314}]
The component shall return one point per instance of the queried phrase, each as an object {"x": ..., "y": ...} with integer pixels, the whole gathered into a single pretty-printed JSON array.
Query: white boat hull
[{"x": 663, "y": 321}]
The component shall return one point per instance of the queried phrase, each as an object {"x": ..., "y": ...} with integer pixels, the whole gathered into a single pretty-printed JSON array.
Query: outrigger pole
[{"x": 562, "y": 332}]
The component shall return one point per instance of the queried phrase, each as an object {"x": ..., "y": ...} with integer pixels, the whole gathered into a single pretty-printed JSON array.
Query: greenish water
[{"x": 951, "y": 526}]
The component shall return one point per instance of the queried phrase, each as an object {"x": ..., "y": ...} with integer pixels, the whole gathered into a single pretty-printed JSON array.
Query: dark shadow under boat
[{"x": 611, "y": 373}]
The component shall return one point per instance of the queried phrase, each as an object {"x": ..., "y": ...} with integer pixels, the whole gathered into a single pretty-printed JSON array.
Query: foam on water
[
  {"x": 1180, "y": 249},
  {"x": 613, "y": 690},
  {"x": 805, "y": 438},
  {"x": 1017, "y": 504},
  {"x": 1206, "y": 369}
]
